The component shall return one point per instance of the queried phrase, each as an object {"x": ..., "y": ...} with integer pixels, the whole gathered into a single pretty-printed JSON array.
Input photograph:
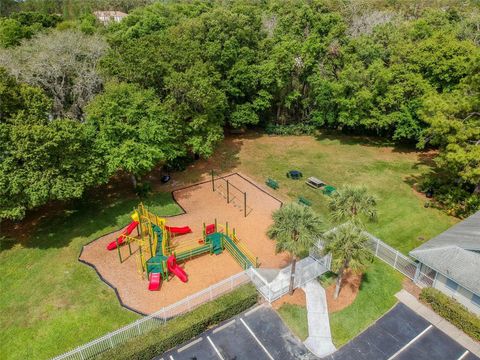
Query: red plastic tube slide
[{"x": 175, "y": 269}]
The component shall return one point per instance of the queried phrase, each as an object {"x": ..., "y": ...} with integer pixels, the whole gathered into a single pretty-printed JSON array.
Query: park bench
[
  {"x": 314, "y": 182},
  {"x": 328, "y": 190},
  {"x": 272, "y": 183},
  {"x": 303, "y": 201}
]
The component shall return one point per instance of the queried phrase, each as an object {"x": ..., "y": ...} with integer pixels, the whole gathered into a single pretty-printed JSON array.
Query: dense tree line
[
  {"x": 23, "y": 25},
  {"x": 168, "y": 80},
  {"x": 69, "y": 9}
]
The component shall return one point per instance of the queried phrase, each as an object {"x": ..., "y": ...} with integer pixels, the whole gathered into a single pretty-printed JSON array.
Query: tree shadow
[
  {"x": 352, "y": 139},
  {"x": 364, "y": 280},
  {"x": 366, "y": 140},
  {"x": 87, "y": 219},
  {"x": 424, "y": 159},
  {"x": 107, "y": 207}
]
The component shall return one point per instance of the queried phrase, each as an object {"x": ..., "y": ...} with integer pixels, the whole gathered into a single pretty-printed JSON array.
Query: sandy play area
[{"x": 200, "y": 204}]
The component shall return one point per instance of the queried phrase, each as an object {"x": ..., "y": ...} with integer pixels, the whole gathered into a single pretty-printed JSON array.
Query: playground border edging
[
  {"x": 172, "y": 193},
  {"x": 105, "y": 280}
]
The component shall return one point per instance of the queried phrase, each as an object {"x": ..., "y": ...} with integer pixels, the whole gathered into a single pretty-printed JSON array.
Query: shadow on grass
[
  {"x": 364, "y": 281},
  {"x": 89, "y": 219},
  {"x": 365, "y": 140},
  {"x": 434, "y": 172},
  {"x": 107, "y": 207}
]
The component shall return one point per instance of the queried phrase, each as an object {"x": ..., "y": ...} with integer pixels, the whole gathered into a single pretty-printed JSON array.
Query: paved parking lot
[
  {"x": 258, "y": 334},
  {"x": 402, "y": 335}
]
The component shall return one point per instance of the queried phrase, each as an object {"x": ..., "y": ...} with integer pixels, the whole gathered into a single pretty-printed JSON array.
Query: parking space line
[
  {"x": 258, "y": 341},
  {"x": 171, "y": 357},
  {"x": 410, "y": 342},
  {"x": 223, "y": 326},
  {"x": 253, "y": 310},
  {"x": 215, "y": 348},
  {"x": 464, "y": 354},
  {"x": 196, "y": 341}
]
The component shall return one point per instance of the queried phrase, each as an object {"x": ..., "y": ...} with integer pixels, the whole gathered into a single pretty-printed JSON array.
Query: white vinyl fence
[
  {"x": 306, "y": 269},
  {"x": 271, "y": 287},
  {"x": 155, "y": 320},
  {"x": 421, "y": 275}
]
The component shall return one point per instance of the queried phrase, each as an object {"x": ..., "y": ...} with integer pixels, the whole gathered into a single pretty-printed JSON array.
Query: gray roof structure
[{"x": 455, "y": 253}]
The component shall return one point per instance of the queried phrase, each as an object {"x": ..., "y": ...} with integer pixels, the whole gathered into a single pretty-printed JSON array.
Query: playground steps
[
  {"x": 237, "y": 254},
  {"x": 241, "y": 246}
]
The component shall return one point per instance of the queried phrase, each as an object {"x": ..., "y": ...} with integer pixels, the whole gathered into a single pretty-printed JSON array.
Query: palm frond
[
  {"x": 351, "y": 203},
  {"x": 295, "y": 228},
  {"x": 348, "y": 244}
]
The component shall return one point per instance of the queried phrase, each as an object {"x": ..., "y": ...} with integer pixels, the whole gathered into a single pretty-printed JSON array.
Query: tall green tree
[
  {"x": 295, "y": 228},
  {"x": 347, "y": 244},
  {"x": 197, "y": 107},
  {"x": 133, "y": 131},
  {"x": 43, "y": 159},
  {"x": 352, "y": 203},
  {"x": 454, "y": 119}
]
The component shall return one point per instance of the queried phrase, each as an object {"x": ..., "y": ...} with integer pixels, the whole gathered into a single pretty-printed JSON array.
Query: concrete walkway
[
  {"x": 319, "y": 340},
  {"x": 443, "y": 325}
]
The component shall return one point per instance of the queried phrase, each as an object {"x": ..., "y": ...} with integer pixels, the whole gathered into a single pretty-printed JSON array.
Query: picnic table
[{"x": 314, "y": 182}]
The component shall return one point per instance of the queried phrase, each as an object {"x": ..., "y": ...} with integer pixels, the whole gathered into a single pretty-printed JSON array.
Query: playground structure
[
  {"x": 231, "y": 193},
  {"x": 157, "y": 255},
  {"x": 197, "y": 204}
]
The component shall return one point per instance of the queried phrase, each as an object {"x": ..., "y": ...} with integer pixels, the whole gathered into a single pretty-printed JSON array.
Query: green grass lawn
[
  {"x": 295, "y": 316},
  {"x": 375, "y": 298},
  {"x": 387, "y": 172},
  {"x": 49, "y": 301}
]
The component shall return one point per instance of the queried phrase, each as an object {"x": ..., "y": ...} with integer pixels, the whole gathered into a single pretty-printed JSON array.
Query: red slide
[
  {"x": 128, "y": 231},
  {"x": 175, "y": 269},
  {"x": 178, "y": 230},
  {"x": 155, "y": 281}
]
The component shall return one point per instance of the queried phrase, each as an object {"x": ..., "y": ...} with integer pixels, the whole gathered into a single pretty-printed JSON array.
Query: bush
[
  {"x": 185, "y": 327},
  {"x": 453, "y": 311},
  {"x": 295, "y": 129}
]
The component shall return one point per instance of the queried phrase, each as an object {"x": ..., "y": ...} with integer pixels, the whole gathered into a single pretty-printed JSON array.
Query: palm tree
[
  {"x": 350, "y": 203},
  {"x": 295, "y": 228},
  {"x": 348, "y": 245}
]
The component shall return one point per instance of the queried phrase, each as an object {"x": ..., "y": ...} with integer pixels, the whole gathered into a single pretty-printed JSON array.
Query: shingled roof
[{"x": 455, "y": 253}]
